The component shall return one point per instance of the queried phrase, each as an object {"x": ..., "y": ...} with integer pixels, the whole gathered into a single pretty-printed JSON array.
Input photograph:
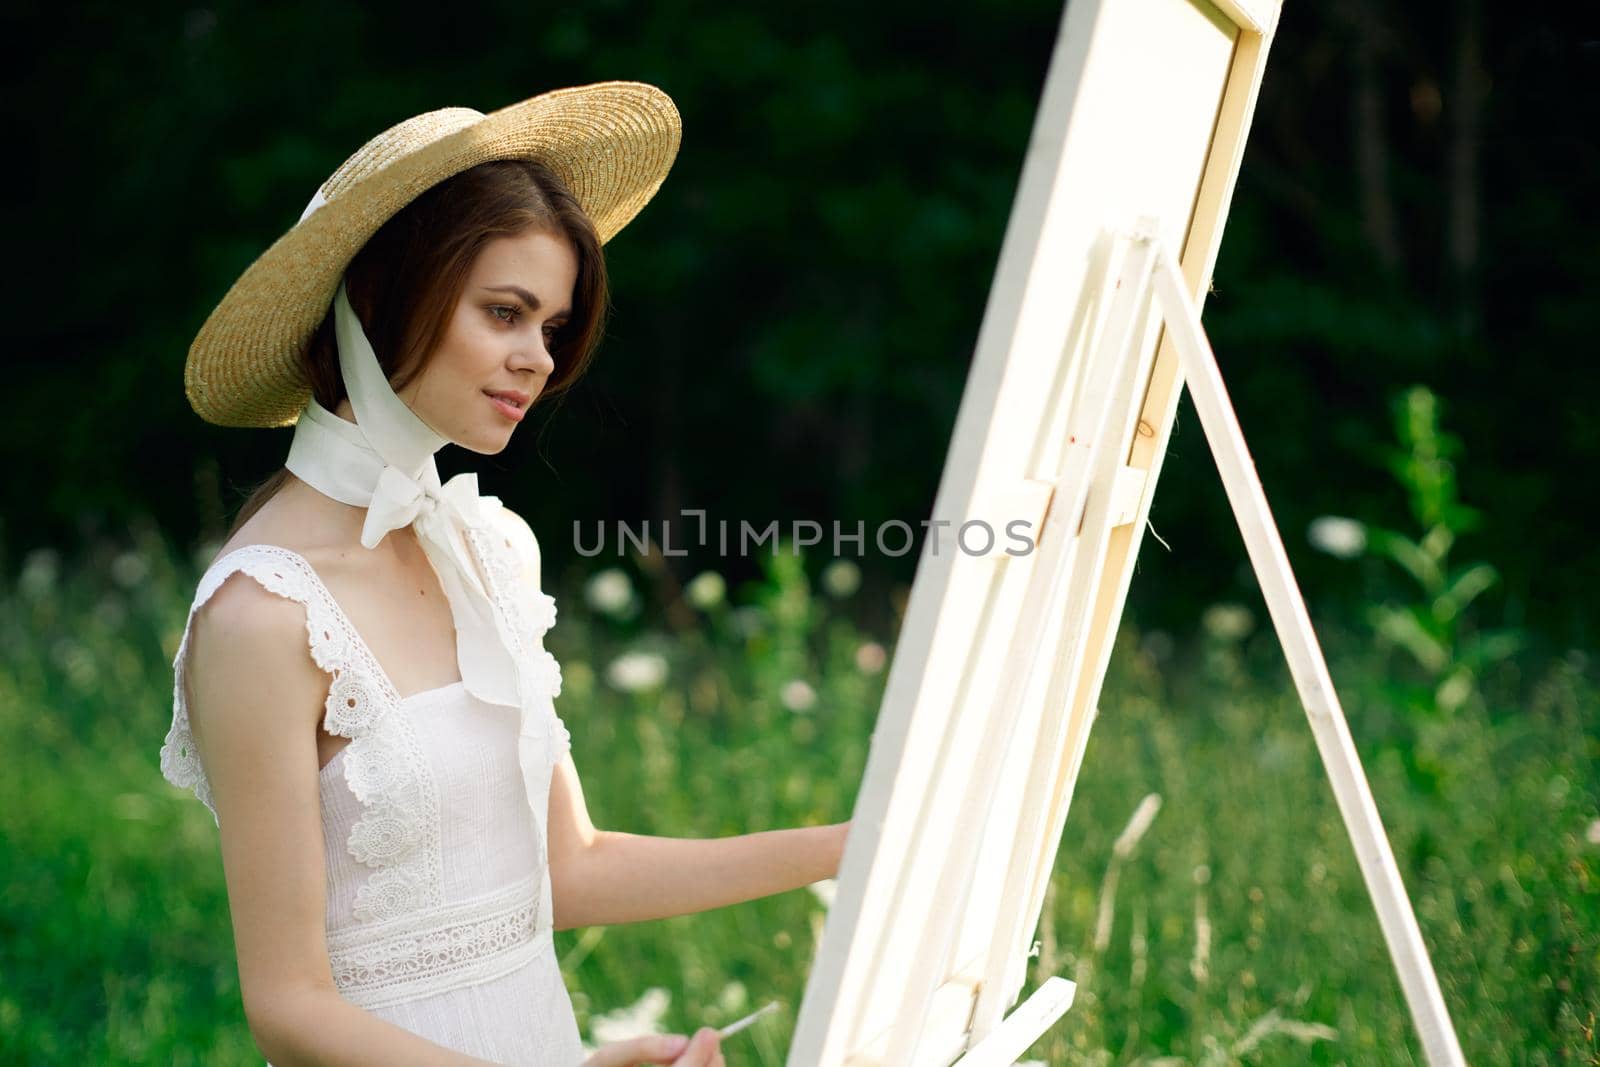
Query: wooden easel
[
  {"x": 1094, "y": 493},
  {"x": 1086, "y": 340}
]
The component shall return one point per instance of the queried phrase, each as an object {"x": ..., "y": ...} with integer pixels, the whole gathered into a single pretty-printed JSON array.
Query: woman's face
[{"x": 518, "y": 294}]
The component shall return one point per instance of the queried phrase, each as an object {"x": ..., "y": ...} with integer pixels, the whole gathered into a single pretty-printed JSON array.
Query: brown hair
[{"x": 406, "y": 280}]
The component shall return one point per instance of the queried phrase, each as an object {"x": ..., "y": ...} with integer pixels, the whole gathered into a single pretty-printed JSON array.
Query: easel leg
[{"x": 1306, "y": 664}]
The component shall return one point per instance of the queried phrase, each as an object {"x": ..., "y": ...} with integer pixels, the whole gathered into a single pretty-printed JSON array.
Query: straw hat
[{"x": 612, "y": 143}]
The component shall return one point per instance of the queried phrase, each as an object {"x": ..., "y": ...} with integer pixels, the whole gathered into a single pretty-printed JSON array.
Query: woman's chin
[{"x": 487, "y": 443}]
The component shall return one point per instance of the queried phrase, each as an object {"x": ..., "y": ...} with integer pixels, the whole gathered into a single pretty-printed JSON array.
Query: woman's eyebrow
[{"x": 527, "y": 297}]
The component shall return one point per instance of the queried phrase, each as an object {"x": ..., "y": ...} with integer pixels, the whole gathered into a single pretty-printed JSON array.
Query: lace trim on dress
[
  {"x": 398, "y": 832},
  {"x": 439, "y": 949}
]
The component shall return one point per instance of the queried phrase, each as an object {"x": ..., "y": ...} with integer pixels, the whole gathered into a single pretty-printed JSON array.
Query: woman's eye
[{"x": 498, "y": 308}]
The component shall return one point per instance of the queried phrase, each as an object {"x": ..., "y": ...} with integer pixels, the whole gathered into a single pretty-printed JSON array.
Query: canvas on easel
[{"x": 999, "y": 663}]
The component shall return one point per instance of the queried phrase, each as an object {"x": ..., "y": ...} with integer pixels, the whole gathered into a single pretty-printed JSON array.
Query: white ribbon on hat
[{"x": 384, "y": 462}]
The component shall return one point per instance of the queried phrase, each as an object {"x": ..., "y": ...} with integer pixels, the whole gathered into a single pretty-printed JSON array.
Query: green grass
[{"x": 115, "y": 931}]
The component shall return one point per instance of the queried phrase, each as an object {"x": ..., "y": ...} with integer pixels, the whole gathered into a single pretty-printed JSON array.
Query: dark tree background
[{"x": 795, "y": 311}]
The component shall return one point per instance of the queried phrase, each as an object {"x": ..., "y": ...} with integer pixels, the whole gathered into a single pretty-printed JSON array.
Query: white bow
[{"x": 398, "y": 501}]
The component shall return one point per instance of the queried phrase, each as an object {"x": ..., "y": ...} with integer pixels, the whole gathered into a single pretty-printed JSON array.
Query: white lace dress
[{"x": 434, "y": 819}]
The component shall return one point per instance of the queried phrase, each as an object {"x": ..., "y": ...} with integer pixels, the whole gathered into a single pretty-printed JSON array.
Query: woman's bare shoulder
[
  {"x": 244, "y": 630},
  {"x": 360, "y": 580},
  {"x": 249, "y": 647},
  {"x": 288, "y": 520}
]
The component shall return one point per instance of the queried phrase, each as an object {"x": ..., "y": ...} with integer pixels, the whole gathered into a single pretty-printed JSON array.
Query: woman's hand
[
  {"x": 841, "y": 832},
  {"x": 703, "y": 1050}
]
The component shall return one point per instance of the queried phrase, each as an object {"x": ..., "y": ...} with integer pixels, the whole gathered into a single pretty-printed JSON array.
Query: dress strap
[
  {"x": 359, "y": 690},
  {"x": 384, "y": 764},
  {"x": 334, "y": 645}
]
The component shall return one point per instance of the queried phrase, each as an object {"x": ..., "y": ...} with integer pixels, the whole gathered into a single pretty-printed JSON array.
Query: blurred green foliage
[
  {"x": 804, "y": 293},
  {"x": 1435, "y": 630},
  {"x": 1239, "y": 930},
  {"x": 1441, "y": 650}
]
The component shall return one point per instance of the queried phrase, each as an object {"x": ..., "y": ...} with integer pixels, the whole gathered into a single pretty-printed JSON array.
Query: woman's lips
[{"x": 509, "y": 410}]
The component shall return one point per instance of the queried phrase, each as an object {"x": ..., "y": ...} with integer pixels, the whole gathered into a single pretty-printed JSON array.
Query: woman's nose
[{"x": 536, "y": 357}]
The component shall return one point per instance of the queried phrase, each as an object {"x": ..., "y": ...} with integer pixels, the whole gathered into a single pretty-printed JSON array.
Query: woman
[{"x": 395, "y": 864}]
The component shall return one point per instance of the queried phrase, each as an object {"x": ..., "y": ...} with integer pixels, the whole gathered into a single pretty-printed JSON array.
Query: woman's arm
[
  {"x": 602, "y": 877},
  {"x": 255, "y": 704}
]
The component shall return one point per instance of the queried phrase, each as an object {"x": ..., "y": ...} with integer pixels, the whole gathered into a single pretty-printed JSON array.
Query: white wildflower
[
  {"x": 76, "y": 661},
  {"x": 1157, "y": 645},
  {"x": 870, "y": 657},
  {"x": 635, "y": 1020},
  {"x": 1594, "y": 832},
  {"x": 797, "y": 695},
  {"x": 749, "y": 620},
  {"x": 1228, "y": 622},
  {"x": 110, "y": 612},
  {"x": 633, "y": 672},
  {"x": 824, "y": 891},
  {"x": 841, "y": 578},
  {"x": 609, "y": 592},
  {"x": 129, "y": 569},
  {"x": 40, "y": 569},
  {"x": 733, "y": 997},
  {"x": 1337, "y": 536},
  {"x": 706, "y": 590}
]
